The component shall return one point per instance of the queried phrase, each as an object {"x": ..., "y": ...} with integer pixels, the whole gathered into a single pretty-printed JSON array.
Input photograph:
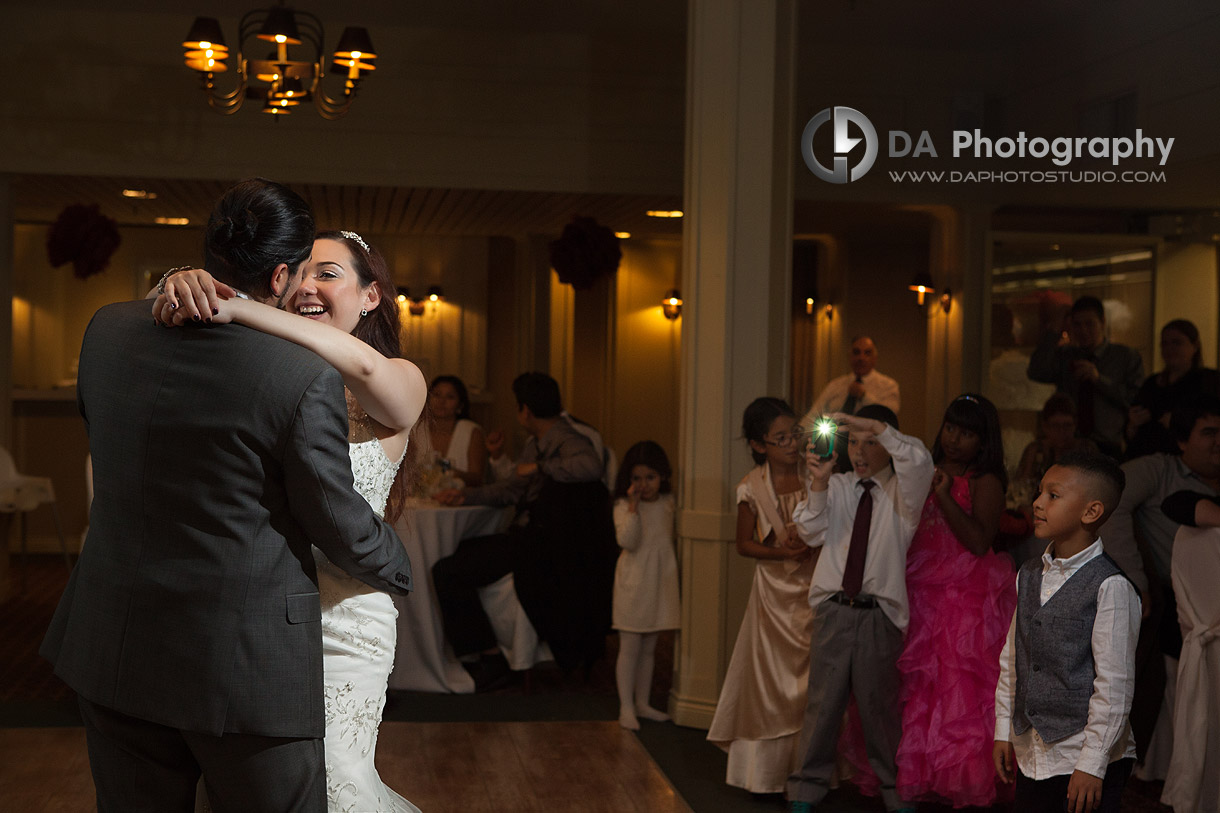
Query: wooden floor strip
[{"x": 544, "y": 767}]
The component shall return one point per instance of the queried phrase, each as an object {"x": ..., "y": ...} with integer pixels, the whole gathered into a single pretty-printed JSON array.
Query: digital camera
[{"x": 822, "y": 437}]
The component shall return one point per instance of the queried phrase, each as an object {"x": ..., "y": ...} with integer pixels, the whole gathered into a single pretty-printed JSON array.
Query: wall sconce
[
  {"x": 416, "y": 307},
  {"x": 830, "y": 311},
  {"x": 671, "y": 305},
  {"x": 809, "y": 305},
  {"x": 922, "y": 284},
  {"x": 946, "y": 300}
]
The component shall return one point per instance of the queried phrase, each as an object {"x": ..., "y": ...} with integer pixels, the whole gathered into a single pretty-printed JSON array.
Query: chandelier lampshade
[
  {"x": 280, "y": 26},
  {"x": 355, "y": 43},
  {"x": 205, "y": 33}
]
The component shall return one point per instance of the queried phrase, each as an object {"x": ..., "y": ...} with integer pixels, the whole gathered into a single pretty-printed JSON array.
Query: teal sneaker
[{"x": 800, "y": 807}]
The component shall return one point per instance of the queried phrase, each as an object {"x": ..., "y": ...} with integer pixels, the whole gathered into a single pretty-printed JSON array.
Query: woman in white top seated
[{"x": 451, "y": 433}]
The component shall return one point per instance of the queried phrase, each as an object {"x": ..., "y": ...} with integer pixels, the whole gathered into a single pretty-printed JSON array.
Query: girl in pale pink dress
[
  {"x": 762, "y": 703},
  {"x": 962, "y": 596}
]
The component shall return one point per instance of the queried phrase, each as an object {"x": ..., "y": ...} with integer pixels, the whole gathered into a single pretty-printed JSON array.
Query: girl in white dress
[
  {"x": 352, "y": 322},
  {"x": 646, "y": 577},
  {"x": 762, "y": 703}
]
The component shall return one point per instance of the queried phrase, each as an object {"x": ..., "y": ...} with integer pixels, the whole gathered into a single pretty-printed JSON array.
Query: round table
[{"x": 430, "y": 532}]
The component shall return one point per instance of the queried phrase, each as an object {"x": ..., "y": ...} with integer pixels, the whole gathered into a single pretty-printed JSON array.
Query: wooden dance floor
[{"x": 467, "y": 767}]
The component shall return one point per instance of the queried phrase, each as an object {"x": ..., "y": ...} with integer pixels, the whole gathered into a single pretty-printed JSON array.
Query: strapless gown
[{"x": 358, "y": 635}]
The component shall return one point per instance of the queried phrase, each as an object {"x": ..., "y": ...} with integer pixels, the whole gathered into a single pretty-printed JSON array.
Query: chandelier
[{"x": 278, "y": 81}]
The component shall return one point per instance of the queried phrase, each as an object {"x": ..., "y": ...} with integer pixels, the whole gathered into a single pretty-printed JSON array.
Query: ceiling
[
  {"x": 366, "y": 209},
  {"x": 525, "y": 15}
]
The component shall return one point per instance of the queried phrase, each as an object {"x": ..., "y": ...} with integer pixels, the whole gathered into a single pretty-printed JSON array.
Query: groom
[{"x": 190, "y": 628}]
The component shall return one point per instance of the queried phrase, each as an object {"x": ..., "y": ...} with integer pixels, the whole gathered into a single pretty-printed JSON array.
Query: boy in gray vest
[{"x": 1068, "y": 667}]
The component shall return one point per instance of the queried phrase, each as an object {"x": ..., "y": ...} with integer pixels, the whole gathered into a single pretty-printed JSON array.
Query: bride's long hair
[{"x": 379, "y": 329}]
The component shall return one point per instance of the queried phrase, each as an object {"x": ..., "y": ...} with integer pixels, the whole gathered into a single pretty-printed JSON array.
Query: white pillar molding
[{"x": 736, "y": 281}]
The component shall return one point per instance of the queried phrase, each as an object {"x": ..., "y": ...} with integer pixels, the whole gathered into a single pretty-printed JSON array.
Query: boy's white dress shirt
[{"x": 826, "y": 517}]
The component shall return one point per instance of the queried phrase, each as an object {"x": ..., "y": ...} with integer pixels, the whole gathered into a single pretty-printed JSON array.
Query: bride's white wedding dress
[{"x": 358, "y": 634}]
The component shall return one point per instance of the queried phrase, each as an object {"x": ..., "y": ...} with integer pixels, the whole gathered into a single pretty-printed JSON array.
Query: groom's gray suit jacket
[{"x": 219, "y": 455}]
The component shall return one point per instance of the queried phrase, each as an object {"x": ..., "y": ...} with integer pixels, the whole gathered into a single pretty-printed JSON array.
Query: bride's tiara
[{"x": 351, "y": 235}]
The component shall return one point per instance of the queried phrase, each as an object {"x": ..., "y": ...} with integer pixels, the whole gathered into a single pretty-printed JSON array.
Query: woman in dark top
[{"x": 1183, "y": 378}]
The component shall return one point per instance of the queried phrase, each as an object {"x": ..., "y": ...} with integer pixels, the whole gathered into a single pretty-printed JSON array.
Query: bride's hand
[{"x": 193, "y": 295}]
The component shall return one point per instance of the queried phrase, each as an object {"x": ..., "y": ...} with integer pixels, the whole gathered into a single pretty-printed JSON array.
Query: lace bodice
[
  {"x": 372, "y": 469},
  {"x": 373, "y": 472}
]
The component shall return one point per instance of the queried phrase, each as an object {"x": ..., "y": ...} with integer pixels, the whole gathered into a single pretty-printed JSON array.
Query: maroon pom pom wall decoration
[
  {"x": 85, "y": 237},
  {"x": 584, "y": 252}
]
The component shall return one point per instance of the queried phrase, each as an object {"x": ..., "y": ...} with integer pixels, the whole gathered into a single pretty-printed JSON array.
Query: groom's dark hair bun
[
  {"x": 235, "y": 230},
  {"x": 257, "y": 225}
]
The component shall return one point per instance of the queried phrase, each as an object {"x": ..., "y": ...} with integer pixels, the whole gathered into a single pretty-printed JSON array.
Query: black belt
[{"x": 860, "y": 602}]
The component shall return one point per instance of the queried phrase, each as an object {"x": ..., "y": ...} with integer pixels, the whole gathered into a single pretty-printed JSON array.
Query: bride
[{"x": 351, "y": 320}]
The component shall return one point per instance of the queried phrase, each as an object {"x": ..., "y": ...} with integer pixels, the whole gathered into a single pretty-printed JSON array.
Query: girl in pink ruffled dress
[{"x": 962, "y": 597}]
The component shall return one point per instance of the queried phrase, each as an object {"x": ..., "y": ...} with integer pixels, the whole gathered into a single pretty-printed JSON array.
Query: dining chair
[{"x": 22, "y": 493}]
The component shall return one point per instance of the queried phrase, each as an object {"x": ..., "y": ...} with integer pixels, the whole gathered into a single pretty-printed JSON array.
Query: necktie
[
  {"x": 849, "y": 405},
  {"x": 853, "y": 573}
]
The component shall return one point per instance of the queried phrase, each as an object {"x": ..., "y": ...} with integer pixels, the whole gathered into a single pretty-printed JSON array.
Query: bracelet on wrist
[{"x": 165, "y": 277}]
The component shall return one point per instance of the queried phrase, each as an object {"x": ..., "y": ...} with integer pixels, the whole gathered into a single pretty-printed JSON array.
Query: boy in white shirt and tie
[{"x": 864, "y": 521}]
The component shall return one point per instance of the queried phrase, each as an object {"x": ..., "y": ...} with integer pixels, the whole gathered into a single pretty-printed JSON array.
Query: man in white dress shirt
[{"x": 862, "y": 386}]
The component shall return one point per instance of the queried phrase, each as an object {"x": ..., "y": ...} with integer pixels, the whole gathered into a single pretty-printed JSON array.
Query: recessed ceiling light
[
  {"x": 173, "y": 221},
  {"x": 622, "y": 235},
  {"x": 139, "y": 194},
  {"x": 664, "y": 213}
]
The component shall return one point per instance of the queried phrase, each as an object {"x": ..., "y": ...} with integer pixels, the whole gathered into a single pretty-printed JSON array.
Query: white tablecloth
[{"x": 422, "y": 661}]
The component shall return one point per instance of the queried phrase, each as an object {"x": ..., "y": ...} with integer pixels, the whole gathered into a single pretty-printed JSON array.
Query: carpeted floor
[{"x": 30, "y": 695}]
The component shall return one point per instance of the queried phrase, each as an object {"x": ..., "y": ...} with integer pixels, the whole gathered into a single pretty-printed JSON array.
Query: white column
[{"x": 736, "y": 280}]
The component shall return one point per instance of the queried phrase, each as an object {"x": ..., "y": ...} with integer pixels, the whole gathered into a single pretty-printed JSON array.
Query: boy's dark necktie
[
  {"x": 853, "y": 573},
  {"x": 849, "y": 405}
]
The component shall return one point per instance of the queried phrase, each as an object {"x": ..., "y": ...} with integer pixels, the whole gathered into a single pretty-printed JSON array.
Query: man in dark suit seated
[{"x": 560, "y": 545}]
